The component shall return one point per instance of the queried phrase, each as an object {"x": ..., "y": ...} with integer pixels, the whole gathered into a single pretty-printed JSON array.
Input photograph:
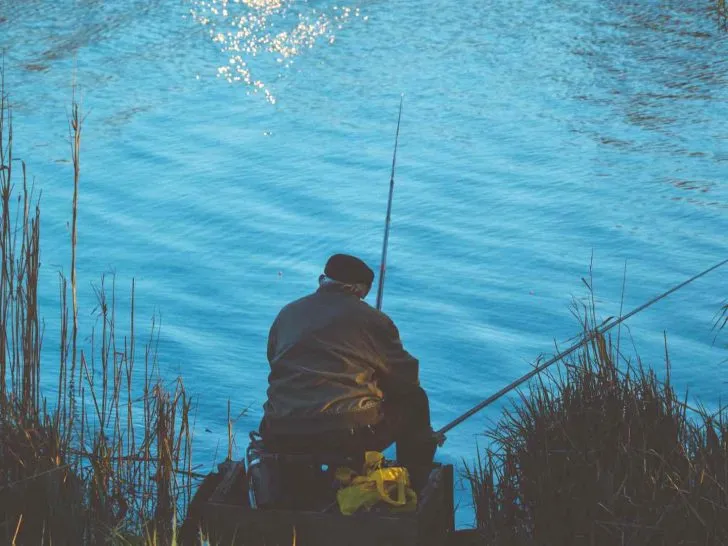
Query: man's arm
[{"x": 400, "y": 372}]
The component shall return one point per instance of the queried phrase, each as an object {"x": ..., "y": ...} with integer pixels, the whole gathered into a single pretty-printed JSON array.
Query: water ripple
[{"x": 280, "y": 29}]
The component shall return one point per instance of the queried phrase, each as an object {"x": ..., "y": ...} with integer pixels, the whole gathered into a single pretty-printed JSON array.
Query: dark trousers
[{"x": 406, "y": 422}]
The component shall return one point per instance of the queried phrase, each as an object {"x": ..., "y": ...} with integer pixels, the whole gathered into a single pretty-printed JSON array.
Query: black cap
[{"x": 348, "y": 269}]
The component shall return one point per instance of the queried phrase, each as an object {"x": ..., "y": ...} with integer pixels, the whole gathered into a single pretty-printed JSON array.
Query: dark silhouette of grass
[
  {"x": 603, "y": 454},
  {"x": 110, "y": 459}
]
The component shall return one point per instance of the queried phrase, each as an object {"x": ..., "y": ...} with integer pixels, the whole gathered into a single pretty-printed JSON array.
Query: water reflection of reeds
[{"x": 721, "y": 12}]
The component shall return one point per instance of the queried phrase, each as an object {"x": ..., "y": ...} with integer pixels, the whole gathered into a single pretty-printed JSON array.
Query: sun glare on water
[{"x": 274, "y": 30}]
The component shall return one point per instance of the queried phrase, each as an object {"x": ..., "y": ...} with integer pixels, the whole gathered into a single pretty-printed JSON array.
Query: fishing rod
[
  {"x": 383, "y": 266},
  {"x": 440, "y": 434}
]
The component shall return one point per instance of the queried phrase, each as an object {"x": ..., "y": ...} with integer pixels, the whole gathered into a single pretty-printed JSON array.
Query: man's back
[
  {"x": 329, "y": 352},
  {"x": 340, "y": 380}
]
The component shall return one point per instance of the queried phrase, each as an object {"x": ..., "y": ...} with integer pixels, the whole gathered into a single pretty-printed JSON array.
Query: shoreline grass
[
  {"x": 602, "y": 452},
  {"x": 110, "y": 459}
]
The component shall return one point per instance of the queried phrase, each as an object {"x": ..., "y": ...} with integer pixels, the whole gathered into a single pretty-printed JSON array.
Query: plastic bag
[{"x": 375, "y": 484}]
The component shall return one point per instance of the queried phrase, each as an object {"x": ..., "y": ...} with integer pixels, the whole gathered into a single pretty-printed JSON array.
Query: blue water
[{"x": 230, "y": 147}]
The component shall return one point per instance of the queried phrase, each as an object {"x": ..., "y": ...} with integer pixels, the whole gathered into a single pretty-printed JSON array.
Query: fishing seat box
[{"x": 432, "y": 524}]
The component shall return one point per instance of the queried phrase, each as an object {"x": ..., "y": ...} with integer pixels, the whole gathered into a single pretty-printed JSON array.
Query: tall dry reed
[{"x": 110, "y": 458}]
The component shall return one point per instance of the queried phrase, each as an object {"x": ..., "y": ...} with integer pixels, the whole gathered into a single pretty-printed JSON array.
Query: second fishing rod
[{"x": 601, "y": 330}]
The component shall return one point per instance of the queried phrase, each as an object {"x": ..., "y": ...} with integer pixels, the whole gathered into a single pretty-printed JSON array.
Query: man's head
[{"x": 350, "y": 271}]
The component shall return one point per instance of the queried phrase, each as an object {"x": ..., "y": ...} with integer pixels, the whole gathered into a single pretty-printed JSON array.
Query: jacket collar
[{"x": 338, "y": 288}]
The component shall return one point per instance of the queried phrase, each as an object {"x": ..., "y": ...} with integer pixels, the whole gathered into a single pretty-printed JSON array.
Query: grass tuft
[{"x": 603, "y": 454}]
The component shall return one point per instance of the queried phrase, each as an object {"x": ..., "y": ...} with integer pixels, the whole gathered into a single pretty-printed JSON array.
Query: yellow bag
[{"x": 375, "y": 484}]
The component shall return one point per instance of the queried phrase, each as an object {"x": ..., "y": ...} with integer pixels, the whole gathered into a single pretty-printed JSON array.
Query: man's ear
[{"x": 321, "y": 278}]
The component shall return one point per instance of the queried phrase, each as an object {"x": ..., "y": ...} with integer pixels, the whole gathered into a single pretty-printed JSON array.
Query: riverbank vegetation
[
  {"x": 107, "y": 458},
  {"x": 602, "y": 452},
  {"x": 599, "y": 451}
]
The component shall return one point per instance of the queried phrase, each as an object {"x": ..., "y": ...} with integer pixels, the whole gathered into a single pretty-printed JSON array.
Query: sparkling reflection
[{"x": 280, "y": 29}]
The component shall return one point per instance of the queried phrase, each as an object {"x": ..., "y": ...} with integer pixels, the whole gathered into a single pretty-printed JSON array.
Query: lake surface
[{"x": 230, "y": 147}]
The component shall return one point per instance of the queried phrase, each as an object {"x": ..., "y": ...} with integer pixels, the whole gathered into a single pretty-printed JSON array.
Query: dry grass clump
[
  {"x": 603, "y": 455},
  {"x": 108, "y": 460}
]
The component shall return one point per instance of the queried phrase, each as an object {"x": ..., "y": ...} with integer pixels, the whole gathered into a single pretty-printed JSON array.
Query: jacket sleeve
[
  {"x": 272, "y": 341},
  {"x": 400, "y": 371}
]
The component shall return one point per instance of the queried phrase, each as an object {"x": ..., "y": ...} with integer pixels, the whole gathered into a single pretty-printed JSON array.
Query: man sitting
[{"x": 340, "y": 380}]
